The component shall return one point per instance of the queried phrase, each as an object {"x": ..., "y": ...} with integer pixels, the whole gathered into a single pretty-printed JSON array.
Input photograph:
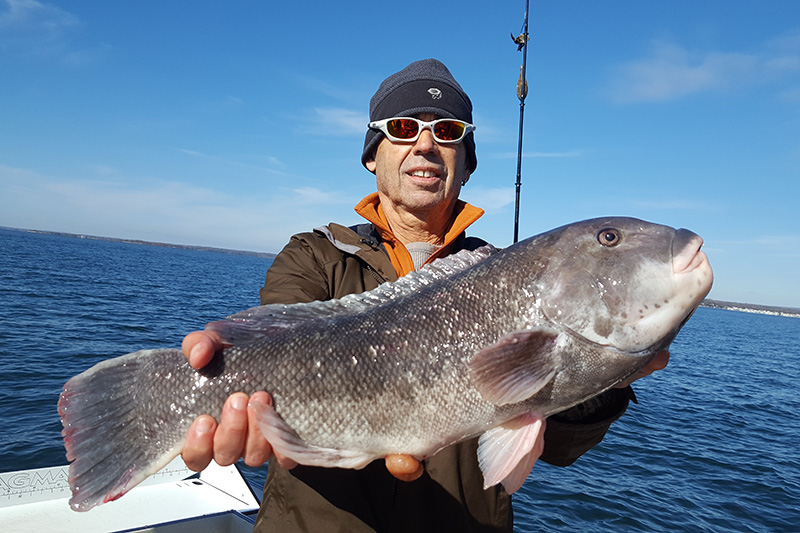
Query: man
[{"x": 421, "y": 149}]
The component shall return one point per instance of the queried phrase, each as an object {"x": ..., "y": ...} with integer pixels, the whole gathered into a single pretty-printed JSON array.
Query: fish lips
[{"x": 686, "y": 254}]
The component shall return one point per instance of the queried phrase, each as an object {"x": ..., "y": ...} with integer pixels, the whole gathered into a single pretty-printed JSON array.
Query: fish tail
[{"x": 113, "y": 438}]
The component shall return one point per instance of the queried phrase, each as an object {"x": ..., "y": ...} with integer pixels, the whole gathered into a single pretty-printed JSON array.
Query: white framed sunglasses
[{"x": 407, "y": 129}]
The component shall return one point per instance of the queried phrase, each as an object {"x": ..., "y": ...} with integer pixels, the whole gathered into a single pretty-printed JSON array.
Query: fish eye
[{"x": 609, "y": 237}]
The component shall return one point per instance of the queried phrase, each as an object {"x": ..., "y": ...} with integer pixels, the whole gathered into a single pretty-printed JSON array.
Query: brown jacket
[{"x": 332, "y": 262}]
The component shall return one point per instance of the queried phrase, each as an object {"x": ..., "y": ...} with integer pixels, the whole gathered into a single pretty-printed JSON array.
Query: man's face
[{"x": 422, "y": 176}]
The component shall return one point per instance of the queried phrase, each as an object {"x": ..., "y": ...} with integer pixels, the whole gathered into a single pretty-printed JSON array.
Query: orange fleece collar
[{"x": 370, "y": 208}]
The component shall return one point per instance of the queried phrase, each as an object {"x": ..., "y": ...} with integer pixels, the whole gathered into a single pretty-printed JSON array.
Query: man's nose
[{"x": 425, "y": 142}]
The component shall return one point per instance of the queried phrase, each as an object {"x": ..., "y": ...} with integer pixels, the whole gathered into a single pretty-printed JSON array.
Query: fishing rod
[{"x": 522, "y": 91}]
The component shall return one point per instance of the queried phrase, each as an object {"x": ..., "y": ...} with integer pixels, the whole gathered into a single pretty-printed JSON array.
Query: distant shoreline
[
  {"x": 147, "y": 243},
  {"x": 713, "y": 304},
  {"x": 752, "y": 308}
]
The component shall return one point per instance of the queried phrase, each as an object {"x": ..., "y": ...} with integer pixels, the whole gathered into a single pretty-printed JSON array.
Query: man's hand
[
  {"x": 659, "y": 362},
  {"x": 238, "y": 435},
  {"x": 199, "y": 347},
  {"x": 404, "y": 467}
]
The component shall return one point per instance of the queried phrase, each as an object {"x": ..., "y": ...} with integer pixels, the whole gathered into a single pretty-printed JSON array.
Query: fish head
[{"x": 623, "y": 282}]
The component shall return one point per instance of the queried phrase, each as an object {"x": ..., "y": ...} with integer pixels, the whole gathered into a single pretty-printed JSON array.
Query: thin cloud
[
  {"x": 769, "y": 241},
  {"x": 790, "y": 96},
  {"x": 29, "y": 17},
  {"x": 489, "y": 198},
  {"x": 165, "y": 211},
  {"x": 35, "y": 29},
  {"x": 769, "y": 245},
  {"x": 786, "y": 44},
  {"x": 271, "y": 159},
  {"x": 531, "y": 155},
  {"x": 336, "y": 121},
  {"x": 314, "y": 196},
  {"x": 329, "y": 90},
  {"x": 571, "y": 153},
  {"x": 672, "y": 205},
  {"x": 672, "y": 72},
  {"x": 201, "y": 155}
]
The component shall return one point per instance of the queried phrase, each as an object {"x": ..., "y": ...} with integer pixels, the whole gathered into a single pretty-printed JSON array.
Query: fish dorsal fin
[
  {"x": 258, "y": 322},
  {"x": 516, "y": 367}
]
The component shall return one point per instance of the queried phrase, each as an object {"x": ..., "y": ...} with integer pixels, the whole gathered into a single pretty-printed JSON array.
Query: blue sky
[{"x": 236, "y": 124}]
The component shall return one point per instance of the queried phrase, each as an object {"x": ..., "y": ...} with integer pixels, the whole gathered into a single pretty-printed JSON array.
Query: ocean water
[{"x": 711, "y": 446}]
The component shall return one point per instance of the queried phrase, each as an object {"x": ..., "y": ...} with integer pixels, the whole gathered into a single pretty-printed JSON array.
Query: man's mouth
[{"x": 424, "y": 173}]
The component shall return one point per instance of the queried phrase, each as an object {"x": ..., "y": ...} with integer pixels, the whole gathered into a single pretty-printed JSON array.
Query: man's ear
[
  {"x": 371, "y": 165},
  {"x": 467, "y": 173}
]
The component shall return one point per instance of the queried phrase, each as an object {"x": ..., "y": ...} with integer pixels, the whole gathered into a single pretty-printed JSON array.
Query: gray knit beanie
[{"x": 424, "y": 86}]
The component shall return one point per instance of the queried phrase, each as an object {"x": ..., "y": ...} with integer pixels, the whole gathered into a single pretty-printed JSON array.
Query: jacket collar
[{"x": 370, "y": 208}]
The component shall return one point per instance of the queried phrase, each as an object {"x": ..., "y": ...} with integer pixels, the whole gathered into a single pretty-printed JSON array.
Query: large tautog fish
[{"x": 481, "y": 343}]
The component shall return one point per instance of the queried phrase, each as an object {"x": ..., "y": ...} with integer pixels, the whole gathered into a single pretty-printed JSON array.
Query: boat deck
[{"x": 172, "y": 501}]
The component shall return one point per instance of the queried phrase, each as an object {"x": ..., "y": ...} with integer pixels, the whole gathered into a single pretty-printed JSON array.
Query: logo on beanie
[{"x": 436, "y": 94}]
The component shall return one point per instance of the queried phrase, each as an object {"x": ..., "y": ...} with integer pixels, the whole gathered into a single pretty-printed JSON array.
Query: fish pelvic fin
[
  {"x": 112, "y": 443},
  {"x": 516, "y": 367},
  {"x": 256, "y": 323},
  {"x": 507, "y": 453},
  {"x": 286, "y": 442}
]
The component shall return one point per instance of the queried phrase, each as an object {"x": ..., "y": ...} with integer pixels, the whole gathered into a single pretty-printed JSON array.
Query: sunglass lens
[
  {"x": 448, "y": 130},
  {"x": 402, "y": 128}
]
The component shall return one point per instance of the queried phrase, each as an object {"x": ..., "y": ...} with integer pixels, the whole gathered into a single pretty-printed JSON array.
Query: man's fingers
[
  {"x": 284, "y": 461},
  {"x": 199, "y": 447},
  {"x": 404, "y": 467},
  {"x": 199, "y": 347},
  {"x": 257, "y": 449},
  {"x": 231, "y": 435},
  {"x": 538, "y": 446},
  {"x": 659, "y": 362}
]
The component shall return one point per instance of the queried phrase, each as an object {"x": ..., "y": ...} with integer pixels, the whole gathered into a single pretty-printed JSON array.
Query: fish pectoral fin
[
  {"x": 507, "y": 453},
  {"x": 516, "y": 367},
  {"x": 285, "y": 441}
]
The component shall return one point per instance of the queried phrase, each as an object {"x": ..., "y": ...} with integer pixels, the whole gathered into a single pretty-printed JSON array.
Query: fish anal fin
[
  {"x": 516, "y": 367},
  {"x": 507, "y": 453},
  {"x": 286, "y": 442}
]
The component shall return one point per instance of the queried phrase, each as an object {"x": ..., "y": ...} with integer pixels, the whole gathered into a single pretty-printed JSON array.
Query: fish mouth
[
  {"x": 686, "y": 254},
  {"x": 691, "y": 265}
]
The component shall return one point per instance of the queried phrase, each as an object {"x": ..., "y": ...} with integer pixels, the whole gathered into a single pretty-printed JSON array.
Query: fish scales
[
  {"x": 389, "y": 366},
  {"x": 475, "y": 342}
]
